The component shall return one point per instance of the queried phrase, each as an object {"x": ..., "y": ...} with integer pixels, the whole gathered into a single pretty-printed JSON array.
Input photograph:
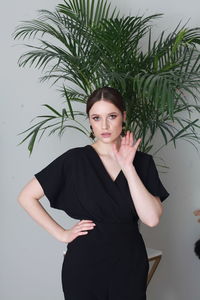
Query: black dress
[{"x": 110, "y": 262}]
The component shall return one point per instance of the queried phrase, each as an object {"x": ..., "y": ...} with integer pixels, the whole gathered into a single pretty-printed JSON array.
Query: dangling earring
[
  {"x": 92, "y": 136},
  {"x": 123, "y": 133}
]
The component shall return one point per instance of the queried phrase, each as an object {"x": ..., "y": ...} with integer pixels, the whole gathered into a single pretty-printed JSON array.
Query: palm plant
[{"x": 84, "y": 44}]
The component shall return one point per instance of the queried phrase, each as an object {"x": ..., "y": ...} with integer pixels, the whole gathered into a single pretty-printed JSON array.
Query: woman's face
[{"x": 106, "y": 121}]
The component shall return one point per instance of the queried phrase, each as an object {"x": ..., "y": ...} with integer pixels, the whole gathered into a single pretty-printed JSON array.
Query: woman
[{"x": 108, "y": 186}]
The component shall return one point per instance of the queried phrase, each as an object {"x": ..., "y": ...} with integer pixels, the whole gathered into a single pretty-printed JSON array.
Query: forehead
[{"x": 103, "y": 107}]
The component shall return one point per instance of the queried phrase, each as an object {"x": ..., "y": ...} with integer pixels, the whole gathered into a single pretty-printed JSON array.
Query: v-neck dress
[{"x": 110, "y": 262}]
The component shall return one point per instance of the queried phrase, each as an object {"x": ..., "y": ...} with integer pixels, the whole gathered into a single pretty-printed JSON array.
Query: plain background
[{"x": 30, "y": 258}]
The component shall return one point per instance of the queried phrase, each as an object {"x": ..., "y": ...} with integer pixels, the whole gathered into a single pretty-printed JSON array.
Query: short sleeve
[
  {"x": 153, "y": 182},
  {"x": 55, "y": 178}
]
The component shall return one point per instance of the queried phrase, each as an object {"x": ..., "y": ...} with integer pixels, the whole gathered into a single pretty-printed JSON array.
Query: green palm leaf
[{"x": 84, "y": 44}]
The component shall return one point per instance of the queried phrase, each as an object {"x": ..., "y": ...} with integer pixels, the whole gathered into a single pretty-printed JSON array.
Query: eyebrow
[{"x": 114, "y": 112}]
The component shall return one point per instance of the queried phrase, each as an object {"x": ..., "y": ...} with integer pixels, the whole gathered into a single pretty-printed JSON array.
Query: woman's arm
[
  {"x": 29, "y": 199},
  {"x": 149, "y": 208}
]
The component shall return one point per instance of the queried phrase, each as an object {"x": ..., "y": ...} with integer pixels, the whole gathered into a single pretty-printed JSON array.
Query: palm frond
[{"x": 85, "y": 44}]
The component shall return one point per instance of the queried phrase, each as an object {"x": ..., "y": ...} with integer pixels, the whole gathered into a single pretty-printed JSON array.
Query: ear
[
  {"x": 124, "y": 116},
  {"x": 89, "y": 121}
]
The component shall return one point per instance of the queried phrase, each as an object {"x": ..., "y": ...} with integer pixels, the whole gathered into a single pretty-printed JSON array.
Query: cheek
[
  {"x": 96, "y": 126},
  {"x": 117, "y": 128},
  {"x": 118, "y": 124}
]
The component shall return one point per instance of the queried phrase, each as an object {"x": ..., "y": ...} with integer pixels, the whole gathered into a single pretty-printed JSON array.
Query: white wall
[{"x": 30, "y": 258}]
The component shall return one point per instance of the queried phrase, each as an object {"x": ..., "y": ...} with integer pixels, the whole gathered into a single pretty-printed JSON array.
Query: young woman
[{"x": 108, "y": 186}]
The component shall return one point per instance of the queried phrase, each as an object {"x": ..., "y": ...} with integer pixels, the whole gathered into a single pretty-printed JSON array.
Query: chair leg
[{"x": 156, "y": 260}]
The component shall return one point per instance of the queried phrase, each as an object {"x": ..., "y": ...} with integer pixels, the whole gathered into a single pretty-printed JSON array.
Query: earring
[
  {"x": 92, "y": 136},
  {"x": 123, "y": 133}
]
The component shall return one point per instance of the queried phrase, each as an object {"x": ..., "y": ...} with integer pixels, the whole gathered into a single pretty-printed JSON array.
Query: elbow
[
  {"x": 156, "y": 219},
  {"x": 26, "y": 199},
  {"x": 31, "y": 193},
  {"x": 151, "y": 223},
  {"x": 20, "y": 199},
  {"x": 154, "y": 223},
  {"x": 23, "y": 198}
]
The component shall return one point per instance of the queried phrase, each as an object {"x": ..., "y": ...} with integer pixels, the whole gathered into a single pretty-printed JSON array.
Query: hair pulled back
[{"x": 108, "y": 94}]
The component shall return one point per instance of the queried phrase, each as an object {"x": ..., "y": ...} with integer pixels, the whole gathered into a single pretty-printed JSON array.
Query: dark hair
[{"x": 108, "y": 94}]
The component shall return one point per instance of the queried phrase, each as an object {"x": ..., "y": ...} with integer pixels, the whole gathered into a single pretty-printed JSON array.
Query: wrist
[
  {"x": 128, "y": 169},
  {"x": 61, "y": 236}
]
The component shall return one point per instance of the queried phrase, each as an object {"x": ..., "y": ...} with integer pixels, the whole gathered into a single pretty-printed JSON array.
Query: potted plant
[{"x": 85, "y": 44}]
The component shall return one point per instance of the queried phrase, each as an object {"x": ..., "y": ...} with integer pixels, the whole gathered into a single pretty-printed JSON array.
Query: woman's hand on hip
[{"x": 78, "y": 229}]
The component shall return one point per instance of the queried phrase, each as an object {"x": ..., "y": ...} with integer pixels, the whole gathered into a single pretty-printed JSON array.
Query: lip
[{"x": 106, "y": 134}]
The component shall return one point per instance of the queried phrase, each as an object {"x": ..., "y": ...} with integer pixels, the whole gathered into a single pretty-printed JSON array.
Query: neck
[{"x": 106, "y": 148}]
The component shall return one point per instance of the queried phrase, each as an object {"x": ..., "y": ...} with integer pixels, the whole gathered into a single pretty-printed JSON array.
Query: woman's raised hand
[
  {"x": 78, "y": 229},
  {"x": 127, "y": 150}
]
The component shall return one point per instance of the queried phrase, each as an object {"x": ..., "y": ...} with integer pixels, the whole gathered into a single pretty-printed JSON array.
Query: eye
[
  {"x": 95, "y": 118},
  {"x": 113, "y": 116}
]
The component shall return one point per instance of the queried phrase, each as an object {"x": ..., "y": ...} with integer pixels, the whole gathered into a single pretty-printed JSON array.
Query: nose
[{"x": 104, "y": 123}]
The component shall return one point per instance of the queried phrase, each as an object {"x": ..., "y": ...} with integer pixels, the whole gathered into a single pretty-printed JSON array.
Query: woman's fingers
[
  {"x": 84, "y": 225},
  {"x": 131, "y": 139},
  {"x": 128, "y": 137},
  {"x": 80, "y": 228},
  {"x": 83, "y": 221},
  {"x": 137, "y": 143},
  {"x": 82, "y": 232}
]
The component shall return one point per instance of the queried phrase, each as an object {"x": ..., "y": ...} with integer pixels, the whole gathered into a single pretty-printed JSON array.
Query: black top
[
  {"x": 78, "y": 183},
  {"x": 109, "y": 262}
]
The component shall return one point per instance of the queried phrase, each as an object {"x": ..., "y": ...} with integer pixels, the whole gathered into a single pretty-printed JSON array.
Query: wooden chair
[{"x": 154, "y": 257}]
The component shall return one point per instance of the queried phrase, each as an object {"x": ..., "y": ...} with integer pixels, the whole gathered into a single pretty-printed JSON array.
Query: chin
[{"x": 110, "y": 139}]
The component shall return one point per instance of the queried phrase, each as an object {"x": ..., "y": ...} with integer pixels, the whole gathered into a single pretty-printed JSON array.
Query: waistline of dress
[
  {"x": 110, "y": 234},
  {"x": 118, "y": 226},
  {"x": 116, "y": 223}
]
